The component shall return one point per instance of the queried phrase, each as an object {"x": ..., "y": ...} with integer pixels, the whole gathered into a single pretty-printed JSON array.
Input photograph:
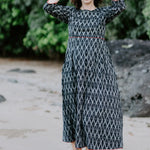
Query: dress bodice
[{"x": 86, "y": 22}]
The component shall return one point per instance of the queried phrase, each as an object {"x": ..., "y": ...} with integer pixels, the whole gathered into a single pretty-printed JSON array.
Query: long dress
[{"x": 92, "y": 113}]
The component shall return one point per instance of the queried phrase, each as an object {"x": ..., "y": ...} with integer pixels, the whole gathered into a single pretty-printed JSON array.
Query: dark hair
[{"x": 78, "y": 3}]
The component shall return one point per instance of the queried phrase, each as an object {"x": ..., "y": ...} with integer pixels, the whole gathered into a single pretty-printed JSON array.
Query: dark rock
[
  {"x": 28, "y": 71},
  {"x": 14, "y": 70},
  {"x": 22, "y": 71},
  {"x": 131, "y": 59},
  {"x": 128, "y": 51},
  {"x": 144, "y": 111},
  {"x": 137, "y": 96},
  {"x": 2, "y": 98},
  {"x": 13, "y": 80}
]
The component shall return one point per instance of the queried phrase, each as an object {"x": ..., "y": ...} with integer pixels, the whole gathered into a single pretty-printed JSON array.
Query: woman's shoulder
[{"x": 70, "y": 7}]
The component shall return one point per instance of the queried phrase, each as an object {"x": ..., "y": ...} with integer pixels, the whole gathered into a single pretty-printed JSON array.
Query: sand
[{"x": 31, "y": 116}]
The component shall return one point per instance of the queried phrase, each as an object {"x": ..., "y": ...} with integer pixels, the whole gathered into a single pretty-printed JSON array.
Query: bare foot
[{"x": 73, "y": 146}]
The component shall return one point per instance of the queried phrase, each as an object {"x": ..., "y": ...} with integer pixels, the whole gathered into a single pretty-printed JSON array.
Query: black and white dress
[{"x": 92, "y": 113}]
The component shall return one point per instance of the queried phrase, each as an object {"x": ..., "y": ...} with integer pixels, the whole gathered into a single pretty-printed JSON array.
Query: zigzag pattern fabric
[{"x": 92, "y": 113}]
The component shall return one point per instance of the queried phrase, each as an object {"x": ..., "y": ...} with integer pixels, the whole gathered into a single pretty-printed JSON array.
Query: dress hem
[{"x": 93, "y": 149}]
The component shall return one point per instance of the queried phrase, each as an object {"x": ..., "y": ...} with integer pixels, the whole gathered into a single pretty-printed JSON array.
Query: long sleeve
[
  {"x": 116, "y": 7},
  {"x": 59, "y": 11}
]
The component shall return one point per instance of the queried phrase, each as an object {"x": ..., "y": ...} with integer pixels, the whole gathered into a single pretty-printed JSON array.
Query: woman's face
[{"x": 87, "y": 1}]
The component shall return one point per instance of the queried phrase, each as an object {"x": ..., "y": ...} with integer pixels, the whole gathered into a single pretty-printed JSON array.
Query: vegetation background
[{"x": 26, "y": 30}]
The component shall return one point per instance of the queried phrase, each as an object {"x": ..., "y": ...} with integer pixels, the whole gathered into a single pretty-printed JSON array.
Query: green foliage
[
  {"x": 131, "y": 23},
  {"x": 24, "y": 27},
  {"x": 146, "y": 13},
  {"x": 49, "y": 37},
  {"x": 45, "y": 33},
  {"x": 12, "y": 22}
]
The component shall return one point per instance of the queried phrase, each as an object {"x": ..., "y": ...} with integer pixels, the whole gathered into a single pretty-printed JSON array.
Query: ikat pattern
[{"x": 92, "y": 113}]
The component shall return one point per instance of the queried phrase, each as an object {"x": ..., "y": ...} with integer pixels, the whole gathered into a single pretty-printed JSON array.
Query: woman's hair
[{"x": 78, "y": 3}]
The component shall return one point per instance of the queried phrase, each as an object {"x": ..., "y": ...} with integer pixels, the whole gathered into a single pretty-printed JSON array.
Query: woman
[{"x": 92, "y": 114}]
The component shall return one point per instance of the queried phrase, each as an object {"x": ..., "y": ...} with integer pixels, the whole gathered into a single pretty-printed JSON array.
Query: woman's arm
[
  {"x": 59, "y": 11},
  {"x": 116, "y": 7}
]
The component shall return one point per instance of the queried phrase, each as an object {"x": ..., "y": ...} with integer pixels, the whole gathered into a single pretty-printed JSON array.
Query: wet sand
[{"x": 31, "y": 116}]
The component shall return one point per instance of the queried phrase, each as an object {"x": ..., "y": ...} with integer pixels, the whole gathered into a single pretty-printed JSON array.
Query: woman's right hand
[{"x": 52, "y": 1}]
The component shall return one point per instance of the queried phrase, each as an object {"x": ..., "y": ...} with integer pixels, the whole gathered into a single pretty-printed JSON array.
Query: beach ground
[{"x": 31, "y": 116}]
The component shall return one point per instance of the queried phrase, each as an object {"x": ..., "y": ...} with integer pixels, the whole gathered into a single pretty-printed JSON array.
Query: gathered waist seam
[{"x": 85, "y": 37}]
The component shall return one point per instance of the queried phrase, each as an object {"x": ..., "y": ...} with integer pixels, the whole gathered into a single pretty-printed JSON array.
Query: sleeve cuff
[
  {"x": 51, "y": 3},
  {"x": 119, "y": 3}
]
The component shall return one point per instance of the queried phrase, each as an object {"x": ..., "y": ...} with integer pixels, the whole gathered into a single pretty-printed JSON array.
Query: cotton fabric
[{"x": 92, "y": 114}]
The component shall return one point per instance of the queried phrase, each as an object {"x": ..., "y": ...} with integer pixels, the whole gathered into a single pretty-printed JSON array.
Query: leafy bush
[
  {"x": 46, "y": 38},
  {"x": 146, "y": 13},
  {"x": 131, "y": 23},
  {"x": 12, "y": 27},
  {"x": 25, "y": 30}
]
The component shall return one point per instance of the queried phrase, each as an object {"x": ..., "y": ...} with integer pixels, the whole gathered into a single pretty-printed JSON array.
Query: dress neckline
[{"x": 89, "y": 10}]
